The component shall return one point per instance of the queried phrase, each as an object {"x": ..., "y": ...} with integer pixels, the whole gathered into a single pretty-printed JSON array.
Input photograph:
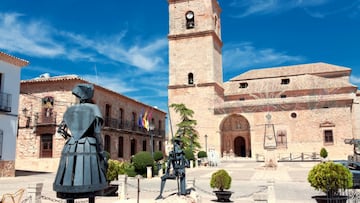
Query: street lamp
[
  {"x": 191, "y": 146},
  {"x": 151, "y": 128},
  {"x": 206, "y": 143}
]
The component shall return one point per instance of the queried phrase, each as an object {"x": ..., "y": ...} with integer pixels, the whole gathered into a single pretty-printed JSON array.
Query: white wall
[{"x": 8, "y": 120}]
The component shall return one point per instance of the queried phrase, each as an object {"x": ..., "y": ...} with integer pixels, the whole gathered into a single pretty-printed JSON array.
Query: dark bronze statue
[
  {"x": 178, "y": 162},
  {"x": 82, "y": 168}
]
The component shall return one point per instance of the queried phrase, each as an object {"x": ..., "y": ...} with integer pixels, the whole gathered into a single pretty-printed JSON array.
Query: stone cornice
[
  {"x": 212, "y": 33},
  {"x": 293, "y": 93},
  {"x": 282, "y": 107},
  {"x": 214, "y": 84}
]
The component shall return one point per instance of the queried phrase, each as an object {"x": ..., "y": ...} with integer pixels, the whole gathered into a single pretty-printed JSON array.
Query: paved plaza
[{"x": 286, "y": 183}]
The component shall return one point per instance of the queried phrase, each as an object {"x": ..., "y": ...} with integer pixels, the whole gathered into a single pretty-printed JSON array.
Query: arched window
[
  {"x": 144, "y": 145},
  {"x": 121, "y": 147},
  {"x": 133, "y": 121},
  {"x": 107, "y": 115},
  {"x": 121, "y": 118},
  {"x": 190, "y": 78},
  {"x": 132, "y": 147},
  {"x": 160, "y": 146},
  {"x": 160, "y": 126},
  {"x": 190, "y": 20},
  {"x": 107, "y": 146}
]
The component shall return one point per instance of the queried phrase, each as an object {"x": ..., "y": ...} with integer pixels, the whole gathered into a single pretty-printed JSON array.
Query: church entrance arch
[{"x": 235, "y": 136}]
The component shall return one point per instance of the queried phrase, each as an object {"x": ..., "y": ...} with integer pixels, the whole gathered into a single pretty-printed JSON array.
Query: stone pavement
[{"x": 250, "y": 180}]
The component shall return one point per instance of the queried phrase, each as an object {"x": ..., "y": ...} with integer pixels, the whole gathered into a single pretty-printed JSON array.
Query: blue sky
[{"x": 122, "y": 45}]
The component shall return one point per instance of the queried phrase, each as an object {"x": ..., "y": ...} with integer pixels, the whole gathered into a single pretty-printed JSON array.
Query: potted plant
[
  {"x": 221, "y": 180},
  {"x": 330, "y": 178}
]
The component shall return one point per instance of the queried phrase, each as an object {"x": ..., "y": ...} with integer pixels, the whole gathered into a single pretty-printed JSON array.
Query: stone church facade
[
  {"x": 42, "y": 104},
  {"x": 293, "y": 110}
]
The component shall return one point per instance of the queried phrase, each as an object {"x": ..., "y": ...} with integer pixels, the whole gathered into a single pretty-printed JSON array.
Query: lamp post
[
  {"x": 191, "y": 143},
  {"x": 206, "y": 143},
  {"x": 151, "y": 128}
]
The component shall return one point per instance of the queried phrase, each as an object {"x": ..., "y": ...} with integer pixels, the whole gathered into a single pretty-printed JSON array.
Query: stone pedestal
[
  {"x": 271, "y": 158},
  {"x": 149, "y": 172},
  {"x": 122, "y": 188},
  {"x": 34, "y": 192}
]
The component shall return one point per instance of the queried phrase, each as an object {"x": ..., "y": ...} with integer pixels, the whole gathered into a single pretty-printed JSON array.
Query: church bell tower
[{"x": 195, "y": 61}]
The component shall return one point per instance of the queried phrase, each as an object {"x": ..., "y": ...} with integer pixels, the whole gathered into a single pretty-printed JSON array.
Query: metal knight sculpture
[
  {"x": 178, "y": 162},
  {"x": 82, "y": 168}
]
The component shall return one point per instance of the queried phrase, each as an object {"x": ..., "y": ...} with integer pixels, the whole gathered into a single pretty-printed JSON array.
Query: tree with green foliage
[
  {"x": 186, "y": 128},
  {"x": 113, "y": 170},
  {"x": 141, "y": 160},
  {"x": 323, "y": 153},
  {"x": 221, "y": 180},
  {"x": 202, "y": 154},
  {"x": 330, "y": 178},
  {"x": 189, "y": 155},
  {"x": 158, "y": 155}
]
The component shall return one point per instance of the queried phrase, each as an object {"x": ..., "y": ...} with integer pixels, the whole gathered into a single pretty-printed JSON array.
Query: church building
[{"x": 292, "y": 110}]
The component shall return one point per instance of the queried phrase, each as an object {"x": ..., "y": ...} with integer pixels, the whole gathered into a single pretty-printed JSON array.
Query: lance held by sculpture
[{"x": 82, "y": 168}]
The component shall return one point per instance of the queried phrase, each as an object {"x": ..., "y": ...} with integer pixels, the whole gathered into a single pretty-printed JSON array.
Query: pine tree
[{"x": 186, "y": 128}]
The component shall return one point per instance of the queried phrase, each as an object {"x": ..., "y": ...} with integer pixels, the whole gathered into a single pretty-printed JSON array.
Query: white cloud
[
  {"x": 262, "y": 7},
  {"x": 355, "y": 79},
  {"x": 36, "y": 38},
  {"x": 349, "y": 8},
  {"x": 111, "y": 82},
  {"x": 245, "y": 55},
  {"x": 145, "y": 56},
  {"x": 31, "y": 38}
]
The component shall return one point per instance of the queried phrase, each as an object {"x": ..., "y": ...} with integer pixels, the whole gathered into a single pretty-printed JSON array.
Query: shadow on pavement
[{"x": 28, "y": 173}]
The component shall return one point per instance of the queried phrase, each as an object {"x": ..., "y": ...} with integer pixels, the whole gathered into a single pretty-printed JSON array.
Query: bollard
[
  {"x": 149, "y": 172},
  {"x": 190, "y": 183},
  {"x": 34, "y": 192},
  {"x": 138, "y": 188},
  {"x": 122, "y": 188},
  {"x": 191, "y": 163}
]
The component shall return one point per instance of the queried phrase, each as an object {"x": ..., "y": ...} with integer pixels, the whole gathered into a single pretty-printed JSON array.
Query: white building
[{"x": 10, "y": 69}]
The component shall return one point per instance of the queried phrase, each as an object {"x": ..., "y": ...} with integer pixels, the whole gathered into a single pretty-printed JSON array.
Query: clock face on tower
[{"x": 189, "y": 15}]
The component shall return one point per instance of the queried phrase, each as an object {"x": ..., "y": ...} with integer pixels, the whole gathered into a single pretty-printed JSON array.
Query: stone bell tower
[{"x": 195, "y": 63}]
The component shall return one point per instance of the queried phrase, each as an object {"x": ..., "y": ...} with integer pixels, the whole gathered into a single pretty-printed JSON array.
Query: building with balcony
[
  {"x": 44, "y": 100},
  {"x": 10, "y": 69}
]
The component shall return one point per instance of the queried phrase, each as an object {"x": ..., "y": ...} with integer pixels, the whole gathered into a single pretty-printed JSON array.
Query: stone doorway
[
  {"x": 240, "y": 147},
  {"x": 235, "y": 136}
]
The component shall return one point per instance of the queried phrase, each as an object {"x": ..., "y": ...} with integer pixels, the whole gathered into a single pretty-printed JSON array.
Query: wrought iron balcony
[
  {"x": 5, "y": 102},
  {"x": 45, "y": 118},
  {"x": 130, "y": 126}
]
